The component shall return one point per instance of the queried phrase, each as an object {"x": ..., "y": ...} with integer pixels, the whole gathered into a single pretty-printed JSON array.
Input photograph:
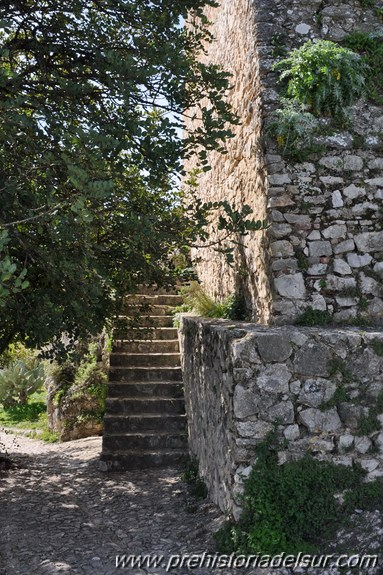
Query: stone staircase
[{"x": 145, "y": 422}]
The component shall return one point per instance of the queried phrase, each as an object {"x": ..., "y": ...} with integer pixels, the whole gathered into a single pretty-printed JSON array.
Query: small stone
[
  {"x": 369, "y": 241},
  {"x": 336, "y": 231},
  {"x": 352, "y": 192},
  {"x": 282, "y": 412},
  {"x": 282, "y": 249},
  {"x": 357, "y": 261},
  {"x": 320, "y": 248},
  {"x": 346, "y": 246},
  {"x": 295, "y": 387},
  {"x": 291, "y": 286},
  {"x": 254, "y": 429},
  {"x": 291, "y": 432},
  {"x": 341, "y": 267},
  {"x": 317, "y": 421},
  {"x": 337, "y": 200},
  {"x": 314, "y": 392},
  {"x": 318, "y": 302},
  {"x": 314, "y": 235},
  {"x": 362, "y": 444},
  {"x": 335, "y": 163},
  {"x": 317, "y": 270},
  {"x": 353, "y": 163},
  {"x": 350, "y": 414},
  {"x": 331, "y": 180},
  {"x": 369, "y": 464},
  {"x": 302, "y": 29},
  {"x": 279, "y": 179}
]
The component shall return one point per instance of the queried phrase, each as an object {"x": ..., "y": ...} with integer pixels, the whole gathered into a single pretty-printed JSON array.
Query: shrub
[
  {"x": 288, "y": 508},
  {"x": 18, "y": 381},
  {"x": 314, "y": 317},
  {"x": 324, "y": 76},
  {"x": 196, "y": 299},
  {"x": 294, "y": 129}
]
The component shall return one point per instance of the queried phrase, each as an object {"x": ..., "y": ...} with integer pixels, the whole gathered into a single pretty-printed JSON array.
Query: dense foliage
[
  {"x": 292, "y": 508},
  {"x": 92, "y": 99},
  {"x": 324, "y": 76}
]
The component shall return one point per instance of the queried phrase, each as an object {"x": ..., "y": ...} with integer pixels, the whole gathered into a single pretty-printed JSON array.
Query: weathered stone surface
[
  {"x": 335, "y": 231},
  {"x": 274, "y": 347},
  {"x": 369, "y": 241},
  {"x": 358, "y": 261},
  {"x": 350, "y": 414},
  {"x": 312, "y": 359},
  {"x": 314, "y": 392},
  {"x": 320, "y": 248},
  {"x": 317, "y": 421},
  {"x": 283, "y": 412},
  {"x": 245, "y": 402},
  {"x": 337, "y": 200},
  {"x": 254, "y": 429},
  {"x": 291, "y": 286},
  {"x": 353, "y": 192},
  {"x": 346, "y": 246},
  {"x": 282, "y": 249},
  {"x": 362, "y": 444},
  {"x": 274, "y": 378},
  {"x": 341, "y": 267},
  {"x": 292, "y": 432}
]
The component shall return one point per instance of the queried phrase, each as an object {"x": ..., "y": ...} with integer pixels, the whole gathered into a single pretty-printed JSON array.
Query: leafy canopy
[{"x": 93, "y": 95}]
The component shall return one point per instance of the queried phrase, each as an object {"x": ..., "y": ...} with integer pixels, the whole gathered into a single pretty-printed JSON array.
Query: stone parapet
[{"x": 322, "y": 389}]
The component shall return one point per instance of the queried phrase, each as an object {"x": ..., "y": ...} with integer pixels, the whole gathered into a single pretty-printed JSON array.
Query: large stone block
[
  {"x": 318, "y": 421},
  {"x": 274, "y": 347},
  {"x": 274, "y": 378},
  {"x": 313, "y": 359}
]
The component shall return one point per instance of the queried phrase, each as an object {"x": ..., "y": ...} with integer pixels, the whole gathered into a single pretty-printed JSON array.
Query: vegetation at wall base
[
  {"x": 196, "y": 300},
  {"x": 191, "y": 477},
  {"x": 313, "y": 317},
  {"x": 292, "y": 507}
]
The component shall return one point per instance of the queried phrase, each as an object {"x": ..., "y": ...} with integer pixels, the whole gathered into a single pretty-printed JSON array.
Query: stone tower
[{"x": 324, "y": 247}]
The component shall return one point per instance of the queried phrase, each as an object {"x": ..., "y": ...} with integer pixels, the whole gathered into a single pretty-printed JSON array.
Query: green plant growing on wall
[
  {"x": 323, "y": 76},
  {"x": 294, "y": 129},
  {"x": 370, "y": 48},
  {"x": 288, "y": 508},
  {"x": 197, "y": 300},
  {"x": 314, "y": 317}
]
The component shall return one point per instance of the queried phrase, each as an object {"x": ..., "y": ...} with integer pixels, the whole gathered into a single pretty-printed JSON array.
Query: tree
[{"x": 92, "y": 99}]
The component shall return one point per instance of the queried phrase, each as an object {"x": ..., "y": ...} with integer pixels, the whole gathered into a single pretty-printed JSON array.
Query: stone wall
[
  {"x": 324, "y": 247},
  {"x": 323, "y": 388}
]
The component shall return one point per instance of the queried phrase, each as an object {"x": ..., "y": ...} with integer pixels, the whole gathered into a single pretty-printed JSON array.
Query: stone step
[
  {"x": 127, "y": 335},
  {"x": 157, "y": 321},
  {"x": 171, "y": 300},
  {"x": 147, "y": 310},
  {"x": 128, "y": 460},
  {"x": 155, "y": 291},
  {"x": 114, "y": 424},
  {"x": 146, "y": 389},
  {"x": 145, "y": 359},
  {"x": 145, "y": 374},
  {"x": 145, "y": 441},
  {"x": 147, "y": 346},
  {"x": 120, "y": 406}
]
